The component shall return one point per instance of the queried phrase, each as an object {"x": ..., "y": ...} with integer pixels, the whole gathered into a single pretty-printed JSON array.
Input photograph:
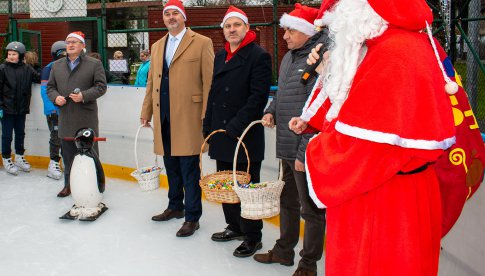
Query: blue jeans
[{"x": 13, "y": 123}]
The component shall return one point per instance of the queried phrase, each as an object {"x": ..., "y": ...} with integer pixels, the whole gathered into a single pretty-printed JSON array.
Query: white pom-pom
[{"x": 451, "y": 87}]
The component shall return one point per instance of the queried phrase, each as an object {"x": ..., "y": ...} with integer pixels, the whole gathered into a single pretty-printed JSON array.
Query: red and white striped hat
[
  {"x": 321, "y": 20},
  {"x": 234, "y": 12},
  {"x": 175, "y": 5},
  {"x": 300, "y": 19},
  {"x": 79, "y": 35}
]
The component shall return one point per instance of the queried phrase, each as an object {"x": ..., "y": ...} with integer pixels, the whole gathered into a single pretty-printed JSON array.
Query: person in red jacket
[{"x": 386, "y": 119}]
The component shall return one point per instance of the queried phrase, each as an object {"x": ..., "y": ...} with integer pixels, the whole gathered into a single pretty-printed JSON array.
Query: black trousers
[
  {"x": 54, "y": 141},
  {"x": 68, "y": 152},
  {"x": 296, "y": 203},
  {"x": 232, "y": 212},
  {"x": 13, "y": 123},
  {"x": 183, "y": 175}
]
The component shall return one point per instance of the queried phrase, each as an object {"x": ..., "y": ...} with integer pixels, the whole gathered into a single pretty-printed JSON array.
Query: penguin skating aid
[{"x": 87, "y": 179}]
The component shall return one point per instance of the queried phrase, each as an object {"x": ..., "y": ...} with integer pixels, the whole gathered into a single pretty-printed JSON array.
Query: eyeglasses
[{"x": 73, "y": 42}]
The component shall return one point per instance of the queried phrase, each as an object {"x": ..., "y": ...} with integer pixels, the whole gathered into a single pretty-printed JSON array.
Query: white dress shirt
[{"x": 170, "y": 53}]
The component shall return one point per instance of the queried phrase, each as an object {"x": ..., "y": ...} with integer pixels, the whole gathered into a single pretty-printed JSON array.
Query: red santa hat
[
  {"x": 175, "y": 5},
  {"x": 78, "y": 35},
  {"x": 300, "y": 19},
  {"x": 410, "y": 14},
  {"x": 234, "y": 12},
  {"x": 321, "y": 20}
]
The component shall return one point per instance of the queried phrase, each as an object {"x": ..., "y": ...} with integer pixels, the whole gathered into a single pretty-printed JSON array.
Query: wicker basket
[
  {"x": 148, "y": 177},
  {"x": 259, "y": 203},
  {"x": 221, "y": 195}
]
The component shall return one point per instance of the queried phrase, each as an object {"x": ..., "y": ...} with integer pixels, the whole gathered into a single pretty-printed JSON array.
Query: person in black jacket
[
  {"x": 300, "y": 36},
  {"x": 238, "y": 95},
  {"x": 16, "y": 79}
]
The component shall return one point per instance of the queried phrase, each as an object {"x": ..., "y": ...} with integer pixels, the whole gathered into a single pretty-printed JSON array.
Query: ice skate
[
  {"x": 10, "y": 167},
  {"x": 22, "y": 163},
  {"x": 54, "y": 171}
]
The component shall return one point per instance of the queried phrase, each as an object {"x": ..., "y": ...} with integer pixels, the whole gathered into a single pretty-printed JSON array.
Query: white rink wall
[
  {"x": 119, "y": 119},
  {"x": 463, "y": 248}
]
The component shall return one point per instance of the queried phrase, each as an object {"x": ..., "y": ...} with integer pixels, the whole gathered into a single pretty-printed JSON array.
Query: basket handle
[
  {"x": 280, "y": 177},
  {"x": 136, "y": 142},
  {"x": 207, "y": 139}
]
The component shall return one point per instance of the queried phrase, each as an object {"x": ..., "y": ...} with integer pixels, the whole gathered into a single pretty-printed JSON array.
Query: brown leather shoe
[
  {"x": 304, "y": 272},
  {"x": 64, "y": 192},
  {"x": 168, "y": 214},
  {"x": 188, "y": 229},
  {"x": 270, "y": 258}
]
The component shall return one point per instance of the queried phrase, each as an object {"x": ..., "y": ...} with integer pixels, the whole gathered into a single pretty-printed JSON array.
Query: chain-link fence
[
  {"x": 131, "y": 26},
  {"x": 39, "y": 23},
  {"x": 461, "y": 27},
  {"x": 17, "y": 6},
  {"x": 205, "y": 3}
]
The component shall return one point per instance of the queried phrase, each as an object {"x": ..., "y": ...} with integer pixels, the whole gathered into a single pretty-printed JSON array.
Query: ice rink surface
[{"x": 123, "y": 241}]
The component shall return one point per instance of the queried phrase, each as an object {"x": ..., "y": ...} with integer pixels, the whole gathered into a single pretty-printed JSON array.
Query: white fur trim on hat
[
  {"x": 76, "y": 36},
  {"x": 311, "y": 191},
  {"x": 173, "y": 7},
  {"x": 298, "y": 24},
  {"x": 324, "y": 21},
  {"x": 234, "y": 14}
]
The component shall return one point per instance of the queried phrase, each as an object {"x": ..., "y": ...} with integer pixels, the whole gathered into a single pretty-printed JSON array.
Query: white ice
[{"x": 123, "y": 241}]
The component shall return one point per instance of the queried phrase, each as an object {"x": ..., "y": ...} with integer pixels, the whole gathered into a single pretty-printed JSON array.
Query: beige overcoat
[{"x": 189, "y": 84}]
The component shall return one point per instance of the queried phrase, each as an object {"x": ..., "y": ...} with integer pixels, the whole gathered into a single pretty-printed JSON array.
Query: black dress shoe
[
  {"x": 168, "y": 214},
  {"x": 188, "y": 229},
  {"x": 64, "y": 192},
  {"x": 247, "y": 248},
  {"x": 227, "y": 235}
]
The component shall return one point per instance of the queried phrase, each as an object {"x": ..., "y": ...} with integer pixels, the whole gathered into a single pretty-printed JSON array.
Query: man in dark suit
[
  {"x": 239, "y": 92},
  {"x": 177, "y": 89},
  {"x": 75, "y": 83}
]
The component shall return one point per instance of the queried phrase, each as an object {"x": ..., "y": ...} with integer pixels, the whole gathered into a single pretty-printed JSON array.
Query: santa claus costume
[{"x": 387, "y": 119}]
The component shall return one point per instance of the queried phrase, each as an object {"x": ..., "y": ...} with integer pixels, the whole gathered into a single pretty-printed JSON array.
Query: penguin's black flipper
[{"x": 99, "y": 170}]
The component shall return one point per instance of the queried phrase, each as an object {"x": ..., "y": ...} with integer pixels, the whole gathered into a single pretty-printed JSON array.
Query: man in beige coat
[{"x": 177, "y": 89}]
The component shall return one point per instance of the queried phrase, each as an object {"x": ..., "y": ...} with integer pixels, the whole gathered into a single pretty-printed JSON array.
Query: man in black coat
[
  {"x": 239, "y": 92},
  {"x": 300, "y": 36}
]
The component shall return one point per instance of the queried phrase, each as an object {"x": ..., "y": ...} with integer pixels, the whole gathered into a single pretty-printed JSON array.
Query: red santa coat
[{"x": 396, "y": 119}]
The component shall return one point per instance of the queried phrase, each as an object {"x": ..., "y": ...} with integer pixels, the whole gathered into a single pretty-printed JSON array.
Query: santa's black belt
[{"x": 417, "y": 170}]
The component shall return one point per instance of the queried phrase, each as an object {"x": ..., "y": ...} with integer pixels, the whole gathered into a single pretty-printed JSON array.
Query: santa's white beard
[{"x": 352, "y": 22}]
